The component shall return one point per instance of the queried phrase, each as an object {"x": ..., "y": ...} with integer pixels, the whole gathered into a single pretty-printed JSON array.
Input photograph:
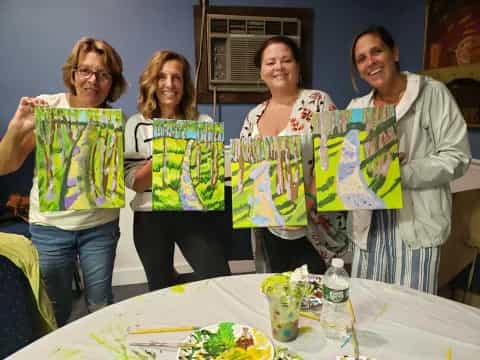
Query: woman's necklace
[
  {"x": 394, "y": 99},
  {"x": 390, "y": 100}
]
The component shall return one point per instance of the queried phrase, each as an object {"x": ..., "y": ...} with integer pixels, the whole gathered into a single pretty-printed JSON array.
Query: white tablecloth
[{"x": 392, "y": 323}]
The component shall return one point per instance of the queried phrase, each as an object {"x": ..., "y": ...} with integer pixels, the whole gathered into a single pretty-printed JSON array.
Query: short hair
[
  {"x": 386, "y": 38},
  {"x": 111, "y": 58},
  {"x": 147, "y": 102},
  {"x": 297, "y": 55}
]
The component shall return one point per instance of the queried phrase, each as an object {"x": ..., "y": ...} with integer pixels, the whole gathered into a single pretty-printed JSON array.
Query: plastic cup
[{"x": 284, "y": 313}]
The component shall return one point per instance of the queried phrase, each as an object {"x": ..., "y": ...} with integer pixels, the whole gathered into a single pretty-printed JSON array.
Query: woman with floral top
[{"x": 289, "y": 111}]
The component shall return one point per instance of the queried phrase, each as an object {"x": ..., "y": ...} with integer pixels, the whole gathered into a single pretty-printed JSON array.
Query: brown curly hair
[
  {"x": 110, "y": 57},
  {"x": 147, "y": 102}
]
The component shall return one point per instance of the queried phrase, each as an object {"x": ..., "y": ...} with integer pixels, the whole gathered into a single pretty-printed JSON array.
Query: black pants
[
  {"x": 286, "y": 255},
  {"x": 197, "y": 235}
]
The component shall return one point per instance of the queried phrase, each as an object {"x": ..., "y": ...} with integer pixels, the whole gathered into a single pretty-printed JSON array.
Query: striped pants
[{"x": 389, "y": 259}]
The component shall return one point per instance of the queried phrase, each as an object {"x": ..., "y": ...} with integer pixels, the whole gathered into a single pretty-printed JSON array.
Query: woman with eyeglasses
[
  {"x": 166, "y": 91},
  {"x": 93, "y": 76}
]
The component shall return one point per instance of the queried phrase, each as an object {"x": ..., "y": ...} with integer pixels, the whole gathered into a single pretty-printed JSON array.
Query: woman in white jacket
[{"x": 403, "y": 246}]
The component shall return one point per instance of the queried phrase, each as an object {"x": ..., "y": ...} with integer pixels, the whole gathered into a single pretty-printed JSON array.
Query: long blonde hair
[{"x": 147, "y": 102}]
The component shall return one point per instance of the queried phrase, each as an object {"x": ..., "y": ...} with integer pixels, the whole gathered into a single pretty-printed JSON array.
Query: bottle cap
[{"x": 338, "y": 263}]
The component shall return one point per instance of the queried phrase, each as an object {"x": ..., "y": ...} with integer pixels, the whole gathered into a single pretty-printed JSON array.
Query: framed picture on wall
[{"x": 452, "y": 51}]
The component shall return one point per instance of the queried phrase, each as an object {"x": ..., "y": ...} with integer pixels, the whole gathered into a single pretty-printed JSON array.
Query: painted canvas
[
  {"x": 188, "y": 165},
  {"x": 267, "y": 182},
  {"x": 356, "y": 159},
  {"x": 79, "y": 158}
]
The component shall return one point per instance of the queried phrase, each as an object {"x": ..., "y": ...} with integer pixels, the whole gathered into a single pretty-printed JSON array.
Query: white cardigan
[{"x": 433, "y": 134}]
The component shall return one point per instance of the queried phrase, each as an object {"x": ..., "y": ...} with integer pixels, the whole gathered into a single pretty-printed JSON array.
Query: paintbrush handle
[
  {"x": 162, "y": 330},
  {"x": 161, "y": 344},
  {"x": 351, "y": 311},
  {"x": 356, "y": 350},
  {"x": 309, "y": 315}
]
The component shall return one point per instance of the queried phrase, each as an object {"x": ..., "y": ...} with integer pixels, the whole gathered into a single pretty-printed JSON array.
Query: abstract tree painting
[
  {"x": 79, "y": 158},
  {"x": 356, "y": 159},
  {"x": 188, "y": 165},
  {"x": 267, "y": 182}
]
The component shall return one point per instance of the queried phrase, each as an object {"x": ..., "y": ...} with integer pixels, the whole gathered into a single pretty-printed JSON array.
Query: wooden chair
[{"x": 463, "y": 245}]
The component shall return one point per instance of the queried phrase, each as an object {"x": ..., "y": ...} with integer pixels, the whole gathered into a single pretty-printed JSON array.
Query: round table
[{"x": 392, "y": 323}]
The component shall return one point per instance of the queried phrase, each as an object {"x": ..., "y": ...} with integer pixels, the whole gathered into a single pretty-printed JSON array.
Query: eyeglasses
[{"x": 85, "y": 73}]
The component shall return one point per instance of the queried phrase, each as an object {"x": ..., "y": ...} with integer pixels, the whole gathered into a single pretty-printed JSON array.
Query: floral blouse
[{"x": 308, "y": 102}]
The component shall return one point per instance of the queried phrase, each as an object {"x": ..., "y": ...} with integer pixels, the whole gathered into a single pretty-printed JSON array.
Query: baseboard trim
[
  {"x": 242, "y": 266},
  {"x": 129, "y": 276}
]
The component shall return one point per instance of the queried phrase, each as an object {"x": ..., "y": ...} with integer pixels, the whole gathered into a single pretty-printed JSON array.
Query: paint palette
[{"x": 226, "y": 340}]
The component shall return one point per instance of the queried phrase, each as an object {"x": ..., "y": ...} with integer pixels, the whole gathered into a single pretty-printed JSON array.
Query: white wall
[{"x": 469, "y": 181}]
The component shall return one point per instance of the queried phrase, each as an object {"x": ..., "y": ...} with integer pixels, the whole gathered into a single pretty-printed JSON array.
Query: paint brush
[
  {"x": 449, "y": 354},
  {"x": 350, "y": 310},
  {"x": 163, "y": 344},
  {"x": 162, "y": 330},
  {"x": 356, "y": 351},
  {"x": 309, "y": 315}
]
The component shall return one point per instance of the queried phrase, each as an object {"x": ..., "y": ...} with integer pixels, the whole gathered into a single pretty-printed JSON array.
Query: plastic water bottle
[{"x": 335, "y": 317}]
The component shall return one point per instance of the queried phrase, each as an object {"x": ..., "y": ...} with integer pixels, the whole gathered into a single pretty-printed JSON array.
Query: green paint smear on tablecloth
[
  {"x": 120, "y": 350},
  {"x": 382, "y": 311},
  {"x": 178, "y": 289},
  {"x": 66, "y": 353},
  {"x": 304, "y": 330}
]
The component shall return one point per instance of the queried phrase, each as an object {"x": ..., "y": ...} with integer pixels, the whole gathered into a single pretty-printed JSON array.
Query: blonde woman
[
  {"x": 93, "y": 77},
  {"x": 166, "y": 91}
]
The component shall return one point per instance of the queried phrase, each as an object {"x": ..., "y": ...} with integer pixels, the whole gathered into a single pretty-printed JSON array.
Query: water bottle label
[{"x": 334, "y": 295}]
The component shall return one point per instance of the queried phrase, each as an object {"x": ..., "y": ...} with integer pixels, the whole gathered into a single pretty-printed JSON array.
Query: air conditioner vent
[
  {"x": 237, "y": 26},
  {"x": 219, "y": 25},
  {"x": 256, "y": 27},
  {"x": 291, "y": 29},
  {"x": 242, "y": 65},
  {"x": 233, "y": 41},
  {"x": 273, "y": 27}
]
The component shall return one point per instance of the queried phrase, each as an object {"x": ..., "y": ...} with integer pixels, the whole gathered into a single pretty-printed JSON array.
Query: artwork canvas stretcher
[
  {"x": 79, "y": 158},
  {"x": 267, "y": 182},
  {"x": 356, "y": 159},
  {"x": 188, "y": 165}
]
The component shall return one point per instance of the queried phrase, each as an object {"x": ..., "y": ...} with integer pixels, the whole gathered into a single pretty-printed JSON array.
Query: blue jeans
[{"x": 58, "y": 249}]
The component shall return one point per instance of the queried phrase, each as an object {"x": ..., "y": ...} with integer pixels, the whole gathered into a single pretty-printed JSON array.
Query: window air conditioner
[{"x": 232, "y": 43}]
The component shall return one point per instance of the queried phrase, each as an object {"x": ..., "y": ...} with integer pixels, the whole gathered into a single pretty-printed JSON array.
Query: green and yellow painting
[
  {"x": 79, "y": 158},
  {"x": 188, "y": 165},
  {"x": 356, "y": 159},
  {"x": 267, "y": 182}
]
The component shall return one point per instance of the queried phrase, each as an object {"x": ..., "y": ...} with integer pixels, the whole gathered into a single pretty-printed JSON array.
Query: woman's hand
[
  {"x": 19, "y": 139},
  {"x": 23, "y": 121},
  {"x": 143, "y": 177}
]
